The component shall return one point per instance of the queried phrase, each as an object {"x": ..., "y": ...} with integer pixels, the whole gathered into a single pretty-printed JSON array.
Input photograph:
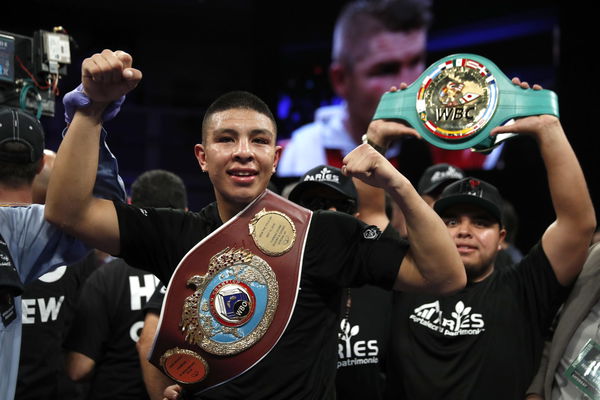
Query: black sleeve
[
  {"x": 539, "y": 286},
  {"x": 90, "y": 329},
  {"x": 154, "y": 305},
  {"x": 343, "y": 251},
  {"x": 154, "y": 240}
]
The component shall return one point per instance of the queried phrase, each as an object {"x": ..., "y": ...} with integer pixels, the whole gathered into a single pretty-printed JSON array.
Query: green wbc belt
[{"x": 459, "y": 99}]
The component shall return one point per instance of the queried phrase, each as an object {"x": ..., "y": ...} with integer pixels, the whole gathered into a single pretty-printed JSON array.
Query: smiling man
[
  {"x": 239, "y": 154},
  {"x": 485, "y": 342}
]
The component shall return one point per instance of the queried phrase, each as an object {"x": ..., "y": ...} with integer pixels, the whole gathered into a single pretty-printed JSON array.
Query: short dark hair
[
  {"x": 363, "y": 18},
  {"x": 17, "y": 174},
  {"x": 237, "y": 99},
  {"x": 159, "y": 188}
]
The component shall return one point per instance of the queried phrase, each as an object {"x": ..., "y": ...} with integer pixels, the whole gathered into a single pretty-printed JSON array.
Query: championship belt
[
  {"x": 232, "y": 295},
  {"x": 459, "y": 99}
]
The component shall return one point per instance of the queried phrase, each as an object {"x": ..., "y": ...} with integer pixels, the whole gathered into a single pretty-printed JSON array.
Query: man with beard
[{"x": 486, "y": 340}]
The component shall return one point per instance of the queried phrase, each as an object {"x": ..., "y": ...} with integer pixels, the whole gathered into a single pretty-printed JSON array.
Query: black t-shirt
[
  {"x": 48, "y": 306},
  {"x": 107, "y": 326},
  {"x": 484, "y": 342},
  {"x": 155, "y": 303},
  {"x": 503, "y": 260},
  {"x": 363, "y": 344},
  {"x": 337, "y": 255}
]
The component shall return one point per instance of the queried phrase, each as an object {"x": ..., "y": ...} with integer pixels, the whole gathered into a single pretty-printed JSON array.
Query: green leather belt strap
[{"x": 459, "y": 99}]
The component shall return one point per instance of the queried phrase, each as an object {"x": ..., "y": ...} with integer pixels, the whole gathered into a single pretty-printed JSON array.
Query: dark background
[{"x": 192, "y": 51}]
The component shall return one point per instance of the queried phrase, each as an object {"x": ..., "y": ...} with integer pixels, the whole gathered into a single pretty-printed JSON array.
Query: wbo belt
[
  {"x": 232, "y": 295},
  {"x": 459, "y": 99}
]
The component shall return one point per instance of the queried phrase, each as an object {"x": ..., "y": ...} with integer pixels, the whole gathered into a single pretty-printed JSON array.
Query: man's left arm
[
  {"x": 156, "y": 382},
  {"x": 567, "y": 239},
  {"x": 432, "y": 262}
]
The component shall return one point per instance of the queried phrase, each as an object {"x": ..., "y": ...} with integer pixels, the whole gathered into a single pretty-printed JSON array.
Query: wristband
[
  {"x": 459, "y": 99},
  {"x": 77, "y": 99},
  {"x": 380, "y": 149}
]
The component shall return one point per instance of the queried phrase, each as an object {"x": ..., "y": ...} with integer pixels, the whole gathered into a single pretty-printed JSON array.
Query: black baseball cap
[
  {"x": 436, "y": 175},
  {"x": 325, "y": 175},
  {"x": 21, "y": 127},
  {"x": 471, "y": 191}
]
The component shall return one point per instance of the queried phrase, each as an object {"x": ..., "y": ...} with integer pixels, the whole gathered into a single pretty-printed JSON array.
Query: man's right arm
[{"x": 70, "y": 204}]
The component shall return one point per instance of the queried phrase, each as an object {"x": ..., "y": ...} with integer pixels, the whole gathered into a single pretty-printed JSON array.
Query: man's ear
[
  {"x": 200, "y": 156},
  {"x": 278, "y": 150},
  {"x": 338, "y": 76},
  {"x": 502, "y": 237}
]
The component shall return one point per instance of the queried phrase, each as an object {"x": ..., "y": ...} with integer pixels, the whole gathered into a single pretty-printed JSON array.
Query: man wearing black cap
[
  {"x": 21, "y": 150},
  {"x": 435, "y": 179},
  {"x": 326, "y": 188},
  {"x": 29, "y": 246},
  {"x": 486, "y": 340},
  {"x": 364, "y": 329},
  {"x": 430, "y": 187}
]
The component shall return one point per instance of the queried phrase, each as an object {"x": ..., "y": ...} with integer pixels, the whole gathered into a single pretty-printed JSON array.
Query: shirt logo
[
  {"x": 461, "y": 322},
  {"x": 357, "y": 352},
  {"x": 371, "y": 232},
  {"x": 55, "y": 275}
]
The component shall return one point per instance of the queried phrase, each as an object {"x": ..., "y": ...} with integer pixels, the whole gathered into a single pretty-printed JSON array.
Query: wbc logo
[{"x": 457, "y": 99}]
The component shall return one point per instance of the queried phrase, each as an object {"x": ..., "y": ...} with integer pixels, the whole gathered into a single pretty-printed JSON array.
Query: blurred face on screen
[{"x": 385, "y": 59}]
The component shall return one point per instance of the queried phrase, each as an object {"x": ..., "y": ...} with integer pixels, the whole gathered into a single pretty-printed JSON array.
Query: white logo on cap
[
  {"x": 325, "y": 174},
  {"x": 450, "y": 173}
]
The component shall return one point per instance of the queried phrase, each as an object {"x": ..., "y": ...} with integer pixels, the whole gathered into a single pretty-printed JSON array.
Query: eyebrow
[{"x": 253, "y": 132}]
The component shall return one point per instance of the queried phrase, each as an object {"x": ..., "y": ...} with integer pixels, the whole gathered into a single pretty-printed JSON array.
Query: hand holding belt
[{"x": 459, "y": 99}]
